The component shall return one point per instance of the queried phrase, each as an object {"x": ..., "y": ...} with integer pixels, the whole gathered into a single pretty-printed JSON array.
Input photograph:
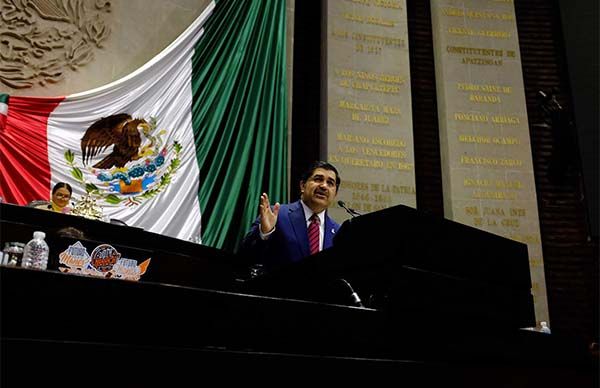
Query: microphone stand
[{"x": 349, "y": 210}]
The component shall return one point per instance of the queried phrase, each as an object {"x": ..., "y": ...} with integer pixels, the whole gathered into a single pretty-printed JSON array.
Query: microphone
[
  {"x": 355, "y": 298},
  {"x": 349, "y": 210}
]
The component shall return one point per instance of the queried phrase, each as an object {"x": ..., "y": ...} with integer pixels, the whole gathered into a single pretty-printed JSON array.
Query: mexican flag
[
  {"x": 141, "y": 145},
  {"x": 3, "y": 109}
]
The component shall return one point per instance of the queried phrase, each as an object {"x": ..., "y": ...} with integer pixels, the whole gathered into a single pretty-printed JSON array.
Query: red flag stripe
[{"x": 26, "y": 174}]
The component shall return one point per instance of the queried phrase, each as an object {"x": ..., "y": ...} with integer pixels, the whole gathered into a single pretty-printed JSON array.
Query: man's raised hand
[{"x": 268, "y": 215}]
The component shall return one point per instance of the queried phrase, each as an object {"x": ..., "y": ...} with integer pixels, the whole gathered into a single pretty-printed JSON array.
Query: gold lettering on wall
[
  {"x": 475, "y": 139},
  {"x": 495, "y": 54},
  {"x": 393, "y": 4},
  {"x": 369, "y": 81},
  {"x": 474, "y": 14},
  {"x": 375, "y": 152},
  {"x": 377, "y": 114},
  {"x": 370, "y": 43},
  {"x": 357, "y": 18},
  {"x": 464, "y": 31},
  {"x": 491, "y": 162},
  {"x": 383, "y": 40},
  {"x": 504, "y": 216},
  {"x": 351, "y": 185},
  {"x": 374, "y": 196},
  {"x": 480, "y": 98},
  {"x": 472, "y": 117},
  {"x": 484, "y": 93},
  {"x": 495, "y": 140},
  {"x": 372, "y": 152},
  {"x": 387, "y": 4},
  {"x": 474, "y": 51},
  {"x": 485, "y": 118},
  {"x": 348, "y": 137},
  {"x": 340, "y": 34},
  {"x": 506, "y": 120},
  {"x": 484, "y": 88}
]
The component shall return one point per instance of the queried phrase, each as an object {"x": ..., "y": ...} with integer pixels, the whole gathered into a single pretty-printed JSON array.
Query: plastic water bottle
[
  {"x": 35, "y": 254},
  {"x": 544, "y": 327}
]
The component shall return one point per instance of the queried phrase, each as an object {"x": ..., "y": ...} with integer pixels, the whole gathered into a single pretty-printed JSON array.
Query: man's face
[{"x": 319, "y": 190}]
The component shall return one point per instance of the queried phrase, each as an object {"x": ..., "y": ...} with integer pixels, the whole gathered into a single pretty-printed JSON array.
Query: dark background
[
  {"x": 559, "y": 51},
  {"x": 581, "y": 33}
]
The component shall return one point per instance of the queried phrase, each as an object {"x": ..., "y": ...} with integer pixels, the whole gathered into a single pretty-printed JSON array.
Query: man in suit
[{"x": 280, "y": 234}]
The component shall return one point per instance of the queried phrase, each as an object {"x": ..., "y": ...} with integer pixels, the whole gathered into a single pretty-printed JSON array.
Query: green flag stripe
[{"x": 240, "y": 115}]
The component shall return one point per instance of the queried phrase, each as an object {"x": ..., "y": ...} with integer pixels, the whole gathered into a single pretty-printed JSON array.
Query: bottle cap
[{"x": 38, "y": 234}]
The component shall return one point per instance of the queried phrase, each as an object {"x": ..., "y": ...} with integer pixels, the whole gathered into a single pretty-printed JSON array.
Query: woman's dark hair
[
  {"x": 60, "y": 185},
  {"x": 325, "y": 166},
  {"x": 71, "y": 232}
]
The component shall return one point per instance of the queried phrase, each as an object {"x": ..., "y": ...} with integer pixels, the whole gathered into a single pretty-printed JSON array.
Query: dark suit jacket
[{"x": 289, "y": 241}]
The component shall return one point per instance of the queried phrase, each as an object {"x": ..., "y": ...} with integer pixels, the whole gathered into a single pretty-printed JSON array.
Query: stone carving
[{"x": 40, "y": 39}]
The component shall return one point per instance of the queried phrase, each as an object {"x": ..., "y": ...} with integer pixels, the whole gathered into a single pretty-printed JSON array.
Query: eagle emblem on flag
[{"x": 121, "y": 131}]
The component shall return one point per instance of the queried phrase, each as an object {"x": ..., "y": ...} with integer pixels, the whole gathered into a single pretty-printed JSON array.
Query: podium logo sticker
[
  {"x": 104, "y": 257},
  {"x": 105, "y": 262},
  {"x": 75, "y": 257}
]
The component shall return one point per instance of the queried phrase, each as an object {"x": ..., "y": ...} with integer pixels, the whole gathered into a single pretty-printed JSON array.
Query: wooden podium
[{"x": 424, "y": 270}]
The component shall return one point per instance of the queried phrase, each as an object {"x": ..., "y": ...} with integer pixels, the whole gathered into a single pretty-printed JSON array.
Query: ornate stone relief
[{"x": 41, "y": 39}]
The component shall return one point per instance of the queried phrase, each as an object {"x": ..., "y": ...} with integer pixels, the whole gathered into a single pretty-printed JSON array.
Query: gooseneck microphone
[{"x": 349, "y": 210}]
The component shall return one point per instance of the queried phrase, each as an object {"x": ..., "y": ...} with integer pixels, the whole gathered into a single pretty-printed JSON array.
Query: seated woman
[{"x": 61, "y": 195}]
